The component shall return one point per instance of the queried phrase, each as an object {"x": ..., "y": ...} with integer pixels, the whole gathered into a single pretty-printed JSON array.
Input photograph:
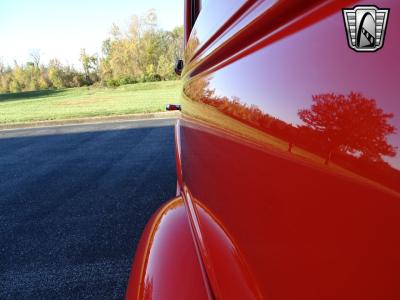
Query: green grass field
[{"x": 87, "y": 102}]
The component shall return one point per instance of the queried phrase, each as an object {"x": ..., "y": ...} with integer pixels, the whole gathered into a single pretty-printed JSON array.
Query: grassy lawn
[{"x": 87, "y": 102}]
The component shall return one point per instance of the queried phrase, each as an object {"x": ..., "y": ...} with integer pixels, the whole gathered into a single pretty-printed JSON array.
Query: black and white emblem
[{"x": 365, "y": 27}]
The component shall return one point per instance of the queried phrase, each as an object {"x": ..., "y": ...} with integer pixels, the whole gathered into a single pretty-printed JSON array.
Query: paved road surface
[{"x": 73, "y": 203}]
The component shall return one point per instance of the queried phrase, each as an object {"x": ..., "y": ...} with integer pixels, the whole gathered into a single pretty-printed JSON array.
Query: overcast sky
[{"x": 61, "y": 28}]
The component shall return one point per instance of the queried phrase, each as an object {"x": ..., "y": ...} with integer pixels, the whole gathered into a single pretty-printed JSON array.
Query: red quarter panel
[{"x": 300, "y": 228}]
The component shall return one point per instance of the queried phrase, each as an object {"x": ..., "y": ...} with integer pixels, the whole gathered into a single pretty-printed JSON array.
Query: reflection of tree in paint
[
  {"x": 352, "y": 127},
  {"x": 252, "y": 115},
  {"x": 352, "y": 124},
  {"x": 334, "y": 123}
]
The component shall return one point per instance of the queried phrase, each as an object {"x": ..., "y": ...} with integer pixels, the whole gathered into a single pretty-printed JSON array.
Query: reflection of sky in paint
[
  {"x": 217, "y": 13},
  {"x": 279, "y": 80}
]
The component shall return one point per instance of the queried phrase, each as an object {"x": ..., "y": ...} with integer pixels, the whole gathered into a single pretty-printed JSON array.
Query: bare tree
[{"x": 35, "y": 56}]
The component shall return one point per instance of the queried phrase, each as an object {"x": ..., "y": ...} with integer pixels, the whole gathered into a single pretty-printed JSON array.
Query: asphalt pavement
[{"x": 73, "y": 203}]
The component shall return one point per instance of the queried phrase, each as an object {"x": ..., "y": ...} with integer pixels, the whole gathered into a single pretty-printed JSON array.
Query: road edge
[{"x": 92, "y": 120}]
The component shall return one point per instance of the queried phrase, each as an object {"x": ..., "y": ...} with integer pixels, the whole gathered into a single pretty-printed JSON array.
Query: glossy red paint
[
  {"x": 304, "y": 229},
  {"x": 166, "y": 263},
  {"x": 280, "y": 208}
]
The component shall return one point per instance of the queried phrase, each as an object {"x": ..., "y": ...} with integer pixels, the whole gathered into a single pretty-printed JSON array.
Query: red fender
[{"x": 166, "y": 264}]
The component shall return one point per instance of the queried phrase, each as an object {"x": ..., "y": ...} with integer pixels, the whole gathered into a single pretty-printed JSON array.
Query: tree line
[{"x": 140, "y": 52}]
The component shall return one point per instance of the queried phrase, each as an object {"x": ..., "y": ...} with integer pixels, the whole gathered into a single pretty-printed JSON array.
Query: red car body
[{"x": 272, "y": 204}]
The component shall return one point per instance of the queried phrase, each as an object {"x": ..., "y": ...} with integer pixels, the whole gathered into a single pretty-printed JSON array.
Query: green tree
[
  {"x": 55, "y": 74},
  {"x": 144, "y": 53},
  {"x": 89, "y": 64}
]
